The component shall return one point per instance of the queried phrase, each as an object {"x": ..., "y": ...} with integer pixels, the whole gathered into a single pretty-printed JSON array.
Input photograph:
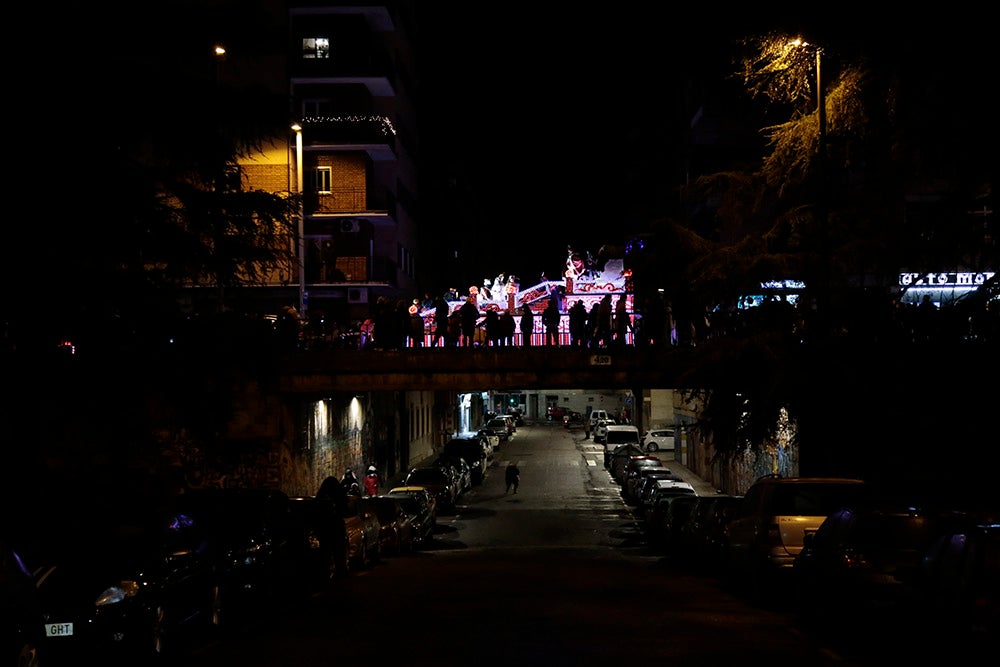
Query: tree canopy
[
  {"x": 890, "y": 181},
  {"x": 130, "y": 169}
]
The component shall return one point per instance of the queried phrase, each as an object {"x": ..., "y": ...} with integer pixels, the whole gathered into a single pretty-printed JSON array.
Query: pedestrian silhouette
[
  {"x": 550, "y": 319},
  {"x": 512, "y": 476},
  {"x": 441, "y": 313},
  {"x": 527, "y": 325},
  {"x": 492, "y": 325},
  {"x": 470, "y": 316},
  {"x": 372, "y": 482},
  {"x": 507, "y": 327}
]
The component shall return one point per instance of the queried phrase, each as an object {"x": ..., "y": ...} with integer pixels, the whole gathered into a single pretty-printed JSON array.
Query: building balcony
[{"x": 348, "y": 130}]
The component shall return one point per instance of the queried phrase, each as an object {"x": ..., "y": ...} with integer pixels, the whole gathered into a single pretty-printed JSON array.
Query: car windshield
[
  {"x": 425, "y": 477},
  {"x": 410, "y": 505}
]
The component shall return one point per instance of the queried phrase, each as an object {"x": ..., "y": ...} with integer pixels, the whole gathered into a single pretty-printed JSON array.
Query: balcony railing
[{"x": 348, "y": 129}]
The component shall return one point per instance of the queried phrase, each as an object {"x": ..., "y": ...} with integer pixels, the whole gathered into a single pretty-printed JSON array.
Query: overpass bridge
[{"x": 321, "y": 373}]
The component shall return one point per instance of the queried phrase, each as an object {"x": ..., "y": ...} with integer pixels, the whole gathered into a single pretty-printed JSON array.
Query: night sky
[{"x": 562, "y": 127}]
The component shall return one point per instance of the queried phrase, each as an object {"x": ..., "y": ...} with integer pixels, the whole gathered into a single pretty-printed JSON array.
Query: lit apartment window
[
  {"x": 319, "y": 180},
  {"x": 315, "y": 47}
]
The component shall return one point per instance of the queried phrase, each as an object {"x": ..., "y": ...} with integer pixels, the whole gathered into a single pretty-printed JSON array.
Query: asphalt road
[{"x": 558, "y": 574}]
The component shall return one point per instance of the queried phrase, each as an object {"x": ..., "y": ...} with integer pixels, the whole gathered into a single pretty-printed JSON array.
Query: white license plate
[{"x": 58, "y": 629}]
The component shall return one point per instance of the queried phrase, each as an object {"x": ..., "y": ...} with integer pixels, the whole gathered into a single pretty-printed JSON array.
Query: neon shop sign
[{"x": 945, "y": 279}]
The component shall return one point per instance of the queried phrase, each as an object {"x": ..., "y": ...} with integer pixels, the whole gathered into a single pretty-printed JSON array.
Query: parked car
[
  {"x": 768, "y": 530},
  {"x": 630, "y": 489},
  {"x": 511, "y": 423},
  {"x": 863, "y": 560},
  {"x": 421, "y": 505},
  {"x": 490, "y": 440},
  {"x": 596, "y": 416},
  {"x": 156, "y": 582},
  {"x": 323, "y": 529},
  {"x": 616, "y": 435},
  {"x": 620, "y": 455},
  {"x": 701, "y": 544},
  {"x": 556, "y": 412},
  {"x": 572, "y": 419},
  {"x": 600, "y": 430},
  {"x": 459, "y": 470},
  {"x": 437, "y": 482},
  {"x": 395, "y": 524},
  {"x": 364, "y": 545},
  {"x": 474, "y": 452},
  {"x": 662, "y": 487},
  {"x": 499, "y": 428},
  {"x": 20, "y": 613},
  {"x": 957, "y": 587},
  {"x": 666, "y": 514},
  {"x": 658, "y": 440},
  {"x": 623, "y": 468}
]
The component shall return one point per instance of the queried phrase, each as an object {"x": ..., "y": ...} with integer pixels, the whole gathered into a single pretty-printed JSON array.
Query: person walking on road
[{"x": 512, "y": 476}]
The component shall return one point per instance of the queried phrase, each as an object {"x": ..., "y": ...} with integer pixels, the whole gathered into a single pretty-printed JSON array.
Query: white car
[{"x": 658, "y": 440}]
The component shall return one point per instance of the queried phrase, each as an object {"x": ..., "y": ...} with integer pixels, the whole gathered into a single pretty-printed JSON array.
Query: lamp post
[
  {"x": 301, "y": 244},
  {"x": 823, "y": 290},
  {"x": 820, "y": 97}
]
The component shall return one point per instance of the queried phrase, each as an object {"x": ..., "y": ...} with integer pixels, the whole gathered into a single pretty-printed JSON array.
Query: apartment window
[
  {"x": 315, "y": 47},
  {"x": 405, "y": 260},
  {"x": 316, "y": 108},
  {"x": 319, "y": 180}
]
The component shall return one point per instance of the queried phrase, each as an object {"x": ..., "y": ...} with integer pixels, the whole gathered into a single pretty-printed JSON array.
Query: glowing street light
[
  {"x": 301, "y": 250},
  {"x": 820, "y": 98}
]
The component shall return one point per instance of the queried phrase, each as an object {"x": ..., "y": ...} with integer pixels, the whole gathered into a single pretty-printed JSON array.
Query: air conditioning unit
[
  {"x": 357, "y": 295},
  {"x": 349, "y": 226}
]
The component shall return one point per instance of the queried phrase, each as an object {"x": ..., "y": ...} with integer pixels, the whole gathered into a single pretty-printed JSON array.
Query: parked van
[
  {"x": 596, "y": 416},
  {"x": 620, "y": 434}
]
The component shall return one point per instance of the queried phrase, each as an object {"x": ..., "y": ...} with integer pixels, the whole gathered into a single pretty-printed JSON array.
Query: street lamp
[
  {"x": 820, "y": 97},
  {"x": 300, "y": 188},
  {"x": 824, "y": 300}
]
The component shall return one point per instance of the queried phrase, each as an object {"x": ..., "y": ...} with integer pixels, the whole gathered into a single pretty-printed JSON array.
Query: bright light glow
[
  {"x": 355, "y": 414},
  {"x": 321, "y": 420}
]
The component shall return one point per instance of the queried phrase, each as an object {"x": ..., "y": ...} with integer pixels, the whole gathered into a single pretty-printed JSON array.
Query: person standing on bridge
[
  {"x": 470, "y": 317},
  {"x": 550, "y": 319},
  {"x": 527, "y": 325},
  {"x": 441, "y": 312},
  {"x": 578, "y": 324}
]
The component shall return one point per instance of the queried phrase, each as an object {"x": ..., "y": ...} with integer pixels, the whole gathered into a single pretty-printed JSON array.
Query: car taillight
[{"x": 853, "y": 560}]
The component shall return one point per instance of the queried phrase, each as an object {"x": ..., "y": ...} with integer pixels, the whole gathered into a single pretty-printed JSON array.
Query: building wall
[{"x": 661, "y": 408}]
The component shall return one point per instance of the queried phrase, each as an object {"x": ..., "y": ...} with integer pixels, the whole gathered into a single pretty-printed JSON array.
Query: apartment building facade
[{"x": 350, "y": 149}]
